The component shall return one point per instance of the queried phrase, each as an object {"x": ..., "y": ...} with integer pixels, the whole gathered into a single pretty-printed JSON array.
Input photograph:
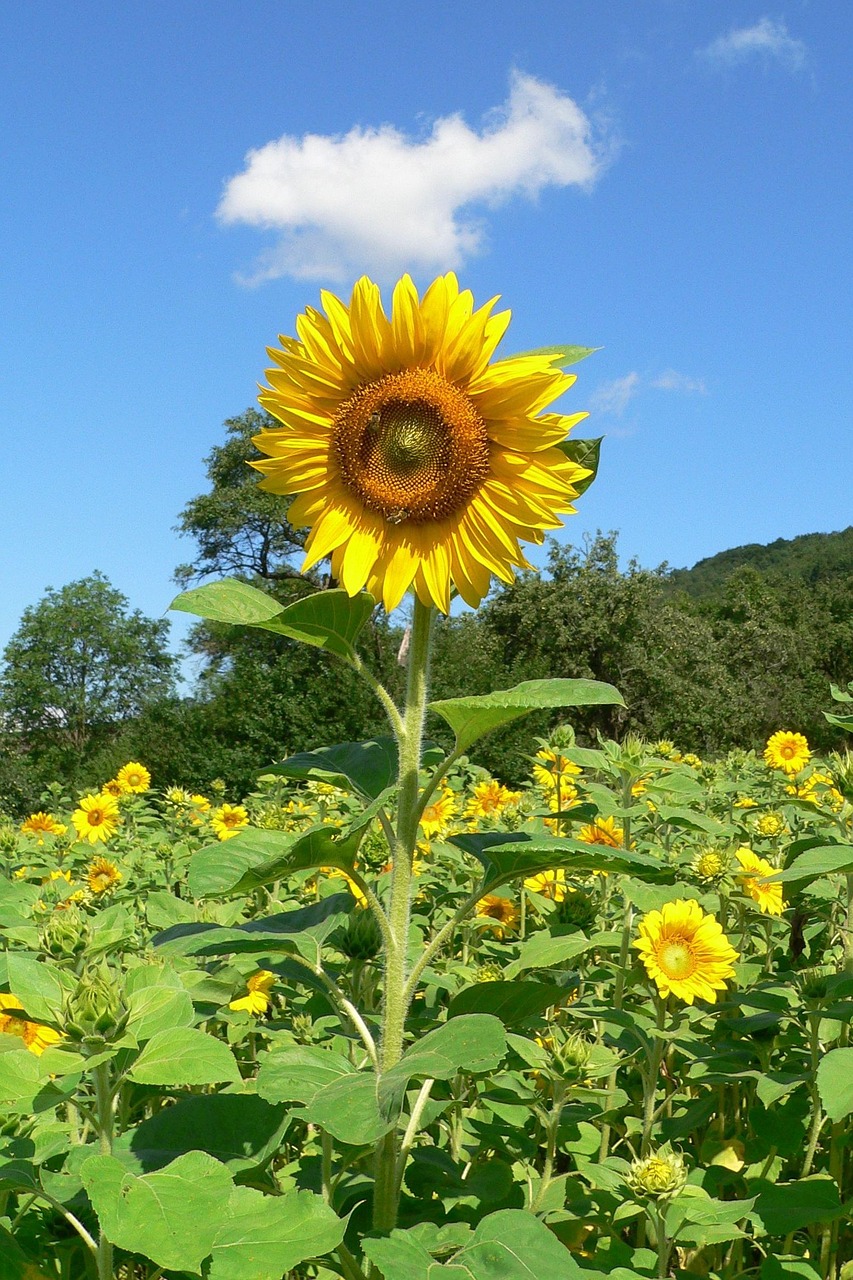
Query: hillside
[{"x": 811, "y": 558}]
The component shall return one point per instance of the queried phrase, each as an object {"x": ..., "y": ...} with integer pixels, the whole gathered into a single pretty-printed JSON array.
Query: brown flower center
[
  {"x": 96, "y": 817},
  {"x": 411, "y": 446}
]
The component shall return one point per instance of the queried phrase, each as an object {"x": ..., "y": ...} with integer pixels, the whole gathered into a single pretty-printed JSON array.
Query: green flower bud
[
  {"x": 661, "y": 1175},
  {"x": 303, "y": 1028},
  {"x": 96, "y": 1013},
  {"x": 488, "y": 973},
  {"x": 579, "y": 908},
  {"x": 362, "y": 938},
  {"x": 65, "y": 934}
]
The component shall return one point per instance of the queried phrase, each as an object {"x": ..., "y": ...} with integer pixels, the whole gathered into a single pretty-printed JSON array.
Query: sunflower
[
  {"x": 417, "y": 463},
  {"x": 787, "y": 751},
  {"x": 133, "y": 778},
  {"x": 42, "y": 824},
  {"x": 96, "y": 819},
  {"x": 35, "y": 1037},
  {"x": 770, "y": 825},
  {"x": 438, "y": 813},
  {"x": 501, "y": 911},
  {"x": 602, "y": 831},
  {"x": 768, "y": 896},
  {"x": 102, "y": 875},
  {"x": 685, "y": 951},
  {"x": 490, "y": 799},
  {"x": 551, "y": 884},
  {"x": 113, "y": 788},
  {"x": 710, "y": 866},
  {"x": 551, "y": 768},
  {"x": 228, "y": 819},
  {"x": 258, "y": 999}
]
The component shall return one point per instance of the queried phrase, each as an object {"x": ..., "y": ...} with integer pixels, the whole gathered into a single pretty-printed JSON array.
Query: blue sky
[{"x": 669, "y": 180}]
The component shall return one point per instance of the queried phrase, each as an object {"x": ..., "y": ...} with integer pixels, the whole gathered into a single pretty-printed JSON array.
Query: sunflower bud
[
  {"x": 814, "y": 987},
  {"x": 303, "y": 1028},
  {"x": 8, "y": 839},
  {"x": 488, "y": 973},
  {"x": 65, "y": 934},
  {"x": 96, "y": 1013},
  {"x": 573, "y": 1057},
  {"x": 579, "y": 909},
  {"x": 661, "y": 1175},
  {"x": 362, "y": 939}
]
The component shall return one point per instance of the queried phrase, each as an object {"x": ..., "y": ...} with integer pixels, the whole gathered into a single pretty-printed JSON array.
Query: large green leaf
[
  {"x": 154, "y": 1009},
  {"x": 183, "y": 1055},
  {"x": 303, "y": 930},
  {"x": 822, "y": 860},
  {"x": 835, "y": 1083},
  {"x": 40, "y": 987},
  {"x": 474, "y": 1042},
  {"x": 23, "y": 1084},
  {"x": 297, "y": 1073},
  {"x": 512, "y": 1002},
  {"x": 352, "y": 1109},
  {"x": 171, "y": 1217},
  {"x": 586, "y": 453},
  {"x": 544, "y": 951},
  {"x": 258, "y": 857},
  {"x": 783, "y": 1207},
  {"x": 508, "y": 856},
  {"x": 470, "y": 718},
  {"x": 329, "y": 620},
  {"x": 366, "y": 767},
  {"x": 263, "y": 1237},
  {"x": 239, "y": 1129}
]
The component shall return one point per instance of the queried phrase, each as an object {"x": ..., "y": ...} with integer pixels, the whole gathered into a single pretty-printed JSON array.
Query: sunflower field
[{"x": 385, "y": 1018}]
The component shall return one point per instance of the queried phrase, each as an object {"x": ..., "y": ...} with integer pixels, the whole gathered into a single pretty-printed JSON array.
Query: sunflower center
[
  {"x": 96, "y": 817},
  {"x": 675, "y": 957},
  {"x": 411, "y": 446}
]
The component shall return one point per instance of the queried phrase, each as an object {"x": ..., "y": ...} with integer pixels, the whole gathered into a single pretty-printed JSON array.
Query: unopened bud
[{"x": 661, "y": 1175}]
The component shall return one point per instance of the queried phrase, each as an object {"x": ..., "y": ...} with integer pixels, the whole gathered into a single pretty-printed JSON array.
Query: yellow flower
[
  {"x": 819, "y": 788},
  {"x": 553, "y": 769},
  {"x": 489, "y": 799},
  {"x": 200, "y": 802},
  {"x": 691, "y": 759},
  {"x": 551, "y": 884},
  {"x": 501, "y": 911},
  {"x": 134, "y": 778},
  {"x": 768, "y": 896},
  {"x": 177, "y": 795},
  {"x": 102, "y": 875},
  {"x": 228, "y": 819},
  {"x": 663, "y": 747},
  {"x": 21, "y": 873},
  {"x": 710, "y": 866},
  {"x": 745, "y": 802},
  {"x": 685, "y": 951},
  {"x": 42, "y": 824},
  {"x": 58, "y": 875},
  {"x": 36, "y": 1037},
  {"x": 96, "y": 819},
  {"x": 113, "y": 788},
  {"x": 416, "y": 461},
  {"x": 602, "y": 831},
  {"x": 335, "y": 873},
  {"x": 769, "y": 825},
  {"x": 660, "y": 1175},
  {"x": 437, "y": 815},
  {"x": 258, "y": 999},
  {"x": 787, "y": 751}
]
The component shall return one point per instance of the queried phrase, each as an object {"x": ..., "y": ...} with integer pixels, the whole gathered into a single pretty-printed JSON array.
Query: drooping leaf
[
  {"x": 303, "y": 930},
  {"x": 259, "y": 857},
  {"x": 263, "y": 1237},
  {"x": 471, "y": 718},
  {"x": 352, "y": 1110},
  {"x": 512, "y": 1002},
  {"x": 474, "y": 1042},
  {"x": 782, "y": 1207},
  {"x": 171, "y": 1217},
  {"x": 182, "y": 1056},
  {"x": 39, "y": 986},
  {"x": 509, "y": 856},
  {"x": 366, "y": 767},
  {"x": 825, "y": 859},
  {"x": 297, "y": 1073},
  {"x": 544, "y": 951},
  {"x": 228, "y": 600}
]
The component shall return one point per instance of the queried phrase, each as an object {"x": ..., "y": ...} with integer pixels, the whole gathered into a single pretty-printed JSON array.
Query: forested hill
[{"x": 810, "y": 558}]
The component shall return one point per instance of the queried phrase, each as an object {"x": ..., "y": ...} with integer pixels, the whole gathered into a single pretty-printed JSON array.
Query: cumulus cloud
[
  {"x": 614, "y": 397},
  {"x": 378, "y": 200},
  {"x": 669, "y": 380},
  {"x": 767, "y": 38}
]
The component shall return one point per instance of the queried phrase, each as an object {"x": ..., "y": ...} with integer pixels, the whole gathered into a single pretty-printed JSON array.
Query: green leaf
[
  {"x": 561, "y": 357},
  {"x": 171, "y": 1217},
  {"x": 329, "y": 620},
  {"x": 835, "y": 1083},
  {"x": 154, "y": 1009},
  {"x": 512, "y": 1002},
  {"x": 470, "y": 718},
  {"x": 262, "y": 1237},
  {"x": 297, "y": 1073},
  {"x": 38, "y": 986},
  {"x": 303, "y": 930},
  {"x": 259, "y": 857},
  {"x": 544, "y": 951},
  {"x": 843, "y": 722},
  {"x": 351, "y": 1109},
  {"x": 23, "y": 1087},
  {"x": 240, "y": 1130},
  {"x": 825, "y": 859},
  {"x": 473, "y": 1043},
  {"x": 510, "y": 856},
  {"x": 783, "y": 1207},
  {"x": 585, "y": 453},
  {"x": 14, "y": 1263},
  {"x": 366, "y": 767},
  {"x": 183, "y": 1055}
]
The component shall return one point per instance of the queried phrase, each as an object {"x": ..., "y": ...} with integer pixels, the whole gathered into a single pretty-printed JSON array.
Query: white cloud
[
  {"x": 380, "y": 201},
  {"x": 614, "y": 397},
  {"x": 669, "y": 380},
  {"x": 768, "y": 38}
]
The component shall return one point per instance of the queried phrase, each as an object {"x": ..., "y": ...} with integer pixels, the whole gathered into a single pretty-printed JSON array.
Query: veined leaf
[
  {"x": 586, "y": 453},
  {"x": 257, "y": 857},
  {"x": 508, "y": 856},
  {"x": 825, "y": 859},
  {"x": 471, "y": 718}
]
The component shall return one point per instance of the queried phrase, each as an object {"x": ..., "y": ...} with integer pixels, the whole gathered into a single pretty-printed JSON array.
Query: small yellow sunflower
[
  {"x": 438, "y": 814},
  {"x": 685, "y": 951},
  {"x": 41, "y": 825},
  {"x": 102, "y": 875},
  {"x": 602, "y": 831},
  {"x": 552, "y": 768},
  {"x": 113, "y": 788},
  {"x": 490, "y": 799},
  {"x": 35, "y": 1037},
  {"x": 768, "y": 896},
  {"x": 787, "y": 751},
  {"x": 134, "y": 778},
  {"x": 416, "y": 461},
  {"x": 257, "y": 1001},
  {"x": 228, "y": 820},
  {"x": 551, "y": 884},
  {"x": 710, "y": 866},
  {"x": 97, "y": 818},
  {"x": 501, "y": 911},
  {"x": 769, "y": 825}
]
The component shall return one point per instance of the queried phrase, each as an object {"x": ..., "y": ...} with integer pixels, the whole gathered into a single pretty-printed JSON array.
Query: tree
[{"x": 79, "y": 665}]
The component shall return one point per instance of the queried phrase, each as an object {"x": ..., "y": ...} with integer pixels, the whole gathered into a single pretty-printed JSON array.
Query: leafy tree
[{"x": 79, "y": 665}]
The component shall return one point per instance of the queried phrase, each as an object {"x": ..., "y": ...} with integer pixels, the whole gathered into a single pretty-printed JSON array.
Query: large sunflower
[
  {"x": 685, "y": 951},
  {"x": 416, "y": 462}
]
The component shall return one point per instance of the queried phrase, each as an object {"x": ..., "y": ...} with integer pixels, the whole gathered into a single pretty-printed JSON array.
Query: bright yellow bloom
[
  {"x": 258, "y": 999},
  {"x": 58, "y": 875},
  {"x": 819, "y": 788},
  {"x": 553, "y": 769},
  {"x": 102, "y": 875},
  {"x": 490, "y": 799},
  {"x": 437, "y": 815},
  {"x": 685, "y": 951},
  {"x": 96, "y": 819},
  {"x": 551, "y": 884},
  {"x": 113, "y": 788},
  {"x": 36, "y": 1037},
  {"x": 200, "y": 802},
  {"x": 787, "y": 751},
  {"x": 416, "y": 461},
  {"x": 42, "y": 824},
  {"x": 745, "y": 802},
  {"x": 133, "y": 777},
  {"x": 693, "y": 760},
  {"x": 228, "y": 820},
  {"x": 768, "y": 896},
  {"x": 603, "y": 831},
  {"x": 501, "y": 911}
]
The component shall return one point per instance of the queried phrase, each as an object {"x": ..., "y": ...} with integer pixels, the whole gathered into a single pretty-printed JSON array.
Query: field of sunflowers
[{"x": 647, "y": 1052}]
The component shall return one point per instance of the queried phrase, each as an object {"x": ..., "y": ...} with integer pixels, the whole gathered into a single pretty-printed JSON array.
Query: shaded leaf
[
  {"x": 510, "y": 1001},
  {"x": 585, "y": 453},
  {"x": 240, "y": 1130},
  {"x": 183, "y": 1055},
  {"x": 262, "y": 1237},
  {"x": 508, "y": 856}
]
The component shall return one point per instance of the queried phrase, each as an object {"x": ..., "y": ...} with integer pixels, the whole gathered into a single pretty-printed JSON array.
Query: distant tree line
[{"x": 712, "y": 662}]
